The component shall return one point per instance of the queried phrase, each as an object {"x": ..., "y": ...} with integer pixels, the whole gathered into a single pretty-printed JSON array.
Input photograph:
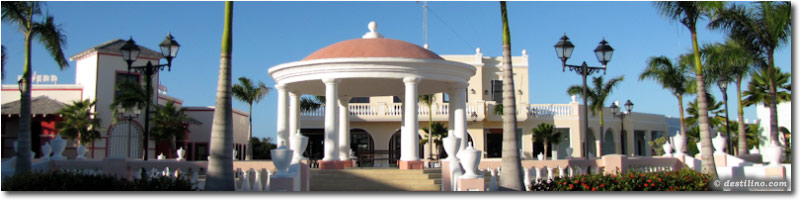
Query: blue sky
[{"x": 270, "y": 33}]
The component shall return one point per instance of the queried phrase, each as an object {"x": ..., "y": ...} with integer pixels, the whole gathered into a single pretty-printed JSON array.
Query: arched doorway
[
  {"x": 591, "y": 145},
  {"x": 361, "y": 143},
  {"x": 395, "y": 146},
  {"x": 125, "y": 140},
  {"x": 609, "y": 146}
]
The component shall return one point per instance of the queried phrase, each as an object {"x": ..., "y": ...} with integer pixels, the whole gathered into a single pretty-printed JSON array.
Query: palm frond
[{"x": 53, "y": 39}]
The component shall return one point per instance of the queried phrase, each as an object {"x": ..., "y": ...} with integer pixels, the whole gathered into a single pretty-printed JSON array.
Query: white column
[
  {"x": 458, "y": 101},
  {"x": 344, "y": 128},
  {"x": 283, "y": 115},
  {"x": 294, "y": 113},
  {"x": 451, "y": 110},
  {"x": 408, "y": 137},
  {"x": 331, "y": 120}
]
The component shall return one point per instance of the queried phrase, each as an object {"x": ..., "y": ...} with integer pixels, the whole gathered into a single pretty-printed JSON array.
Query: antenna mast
[{"x": 425, "y": 23}]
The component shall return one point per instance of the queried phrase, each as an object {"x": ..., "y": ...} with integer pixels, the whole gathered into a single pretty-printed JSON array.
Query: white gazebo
[{"x": 370, "y": 66}]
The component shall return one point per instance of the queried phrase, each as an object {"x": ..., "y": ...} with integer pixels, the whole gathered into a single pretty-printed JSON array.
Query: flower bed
[{"x": 682, "y": 180}]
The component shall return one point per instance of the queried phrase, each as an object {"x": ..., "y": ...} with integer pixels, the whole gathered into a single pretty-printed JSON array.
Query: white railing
[
  {"x": 319, "y": 112},
  {"x": 550, "y": 110},
  {"x": 362, "y": 109},
  {"x": 442, "y": 109}
]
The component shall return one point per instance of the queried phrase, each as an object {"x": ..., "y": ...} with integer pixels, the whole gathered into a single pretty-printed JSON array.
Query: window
[
  {"x": 121, "y": 77},
  {"x": 497, "y": 90},
  {"x": 396, "y": 99},
  {"x": 445, "y": 97},
  {"x": 359, "y": 100}
]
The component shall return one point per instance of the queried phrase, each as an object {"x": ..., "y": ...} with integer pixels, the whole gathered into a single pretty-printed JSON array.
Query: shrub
[
  {"x": 681, "y": 180},
  {"x": 67, "y": 181}
]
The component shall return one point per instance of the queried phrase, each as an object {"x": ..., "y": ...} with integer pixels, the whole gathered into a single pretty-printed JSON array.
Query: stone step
[
  {"x": 366, "y": 182},
  {"x": 376, "y": 176},
  {"x": 375, "y": 188}
]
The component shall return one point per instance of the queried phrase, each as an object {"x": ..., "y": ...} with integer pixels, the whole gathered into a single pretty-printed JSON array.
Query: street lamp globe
[
  {"x": 629, "y": 106},
  {"x": 603, "y": 52},
  {"x": 723, "y": 83},
  {"x": 614, "y": 108},
  {"x": 564, "y": 50},
  {"x": 169, "y": 49},
  {"x": 130, "y": 52}
]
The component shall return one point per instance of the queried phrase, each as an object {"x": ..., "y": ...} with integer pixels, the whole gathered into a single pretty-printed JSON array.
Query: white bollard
[
  {"x": 195, "y": 179},
  {"x": 549, "y": 173},
  {"x": 527, "y": 179},
  {"x": 245, "y": 181},
  {"x": 257, "y": 186}
]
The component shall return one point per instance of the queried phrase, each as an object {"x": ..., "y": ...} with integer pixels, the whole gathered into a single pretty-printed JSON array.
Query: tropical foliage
[
  {"x": 657, "y": 145},
  {"x": 262, "y": 149},
  {"x": 758, "y": 88},
  {"x": 762, "y": 28},
  {"x": 169, "y": 124},
  {"x": 246, "y": 92},
  {"x": 437, "y": 131},
  {"x": 715, "y": 108},
  {"x": 130, "y": 95},
  {"x": 546, "y": 134},
  {"x": 688, "y": 13},
  {"x": 671, "y": 76},
  {"x": 80, "y": 123},
  {"x": 311, "y": 103},
  {"x": 57, "y": 180},
  {"x": 34, "y": 25},
  {"x": 681, "y": 180},
  {"x": 428, "y": 99}
]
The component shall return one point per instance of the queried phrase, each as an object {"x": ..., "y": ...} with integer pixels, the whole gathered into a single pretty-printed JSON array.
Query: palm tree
[
  {"x": 169, "y": 124},
  {"x": 43, "y": 28},
  {"x": 436, "y": 132},
  {"x": 311, "y": 103},
  {"x": 763, "y": 29},
  {"x": 511, "y": 175},
  {"x": 3, "y": 60},
  {"x": 130, "y": 94},
  {"x": 758, "y": 88},
  {"x": 220, "y": 164},
  {"x": 688, "y": 13},
  {"x": 714, "y": 108},
  {"x": 428, "y": 99},
  {"x": 546, "y": 134},
  {"x": 597, "y": 99},
  {"x": 671, "y": 77},
  {"x": 80, "y": 123},
  {"x": 731, "y": 58},
  {"x": 246, "y": 92}
]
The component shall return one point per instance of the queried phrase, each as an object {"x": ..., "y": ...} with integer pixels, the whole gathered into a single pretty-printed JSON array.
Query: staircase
[{"x": 376, "y": 179}]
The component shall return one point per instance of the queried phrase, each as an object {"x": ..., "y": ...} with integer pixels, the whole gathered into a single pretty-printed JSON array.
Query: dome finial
[{"x": 372, "y": 33}]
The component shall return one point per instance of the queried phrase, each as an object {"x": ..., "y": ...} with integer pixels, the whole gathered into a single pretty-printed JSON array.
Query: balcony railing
[
  {"x": 550, "y": 110},
  {"x": 394, "y": 109}
]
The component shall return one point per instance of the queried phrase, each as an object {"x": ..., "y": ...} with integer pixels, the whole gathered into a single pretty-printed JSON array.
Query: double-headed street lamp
[
  {"x": 603, "y": 52},
  {"x": 621, "y": 115},
  {"x": 130, "y": 52},
  {"x": 723, "y": 87}
]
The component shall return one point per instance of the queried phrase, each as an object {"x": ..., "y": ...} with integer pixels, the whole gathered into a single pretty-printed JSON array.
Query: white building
[
  {"x": 97, "y": 70},
  {"x": 784, "y": 121}
]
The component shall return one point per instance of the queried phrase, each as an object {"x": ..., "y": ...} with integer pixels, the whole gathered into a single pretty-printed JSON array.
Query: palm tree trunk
[
  {"x": 24, "y": 134},
  {"x": 773, "y": 102},
  {"x": 600, "y": 135},
  {"x": 707, "y": 156},
  {"x": 220, "y": 165},
  {"x": 430, "y": 131},
  {"x": 742, "y": 132},
  {"x": 511, "y": 175},
  {"x": 683, "y": 120},
  {"x": 249, "y": 151},
  {"x": 545, "y": 149}
]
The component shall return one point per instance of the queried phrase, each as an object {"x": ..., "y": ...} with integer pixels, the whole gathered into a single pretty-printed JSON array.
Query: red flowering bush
[{"x": 681, "y": 180}]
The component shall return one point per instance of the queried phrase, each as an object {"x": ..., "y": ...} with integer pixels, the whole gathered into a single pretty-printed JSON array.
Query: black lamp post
[
  {"x": 621, "y": 115},
  {"x": 603, "y": 52},
  {"x": 130, "y": 52},
  {"x": 723, "y": 87}
]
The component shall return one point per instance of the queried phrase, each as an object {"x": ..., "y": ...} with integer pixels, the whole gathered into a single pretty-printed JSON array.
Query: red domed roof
[{"x": 373, "y": 47}]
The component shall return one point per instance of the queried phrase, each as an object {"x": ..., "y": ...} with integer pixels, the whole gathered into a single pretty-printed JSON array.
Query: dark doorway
[
  {"x": 361, "y": 143},
  {"x": 395, "y": 148},
  {"x": 315, "y": 149},
  {"x": 36, "y": 137}
]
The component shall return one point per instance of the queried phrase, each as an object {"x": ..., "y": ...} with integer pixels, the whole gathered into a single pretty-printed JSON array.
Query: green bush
[
  {"x": 681, "y": 180},
  {"x": 66, "y": 181}
]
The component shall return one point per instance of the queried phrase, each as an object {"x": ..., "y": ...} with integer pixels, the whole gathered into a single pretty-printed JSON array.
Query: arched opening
[
  {"x": 609, "y": 146},
  {"x": 363, "y": 147},
  {"x": 395, "y": 146},
  {"x": 623, "y": 138},
  {"x": 125, "y": 140}
]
